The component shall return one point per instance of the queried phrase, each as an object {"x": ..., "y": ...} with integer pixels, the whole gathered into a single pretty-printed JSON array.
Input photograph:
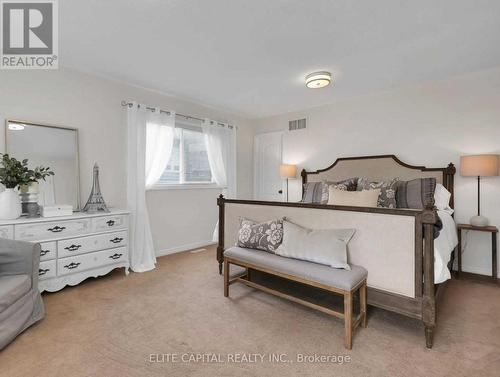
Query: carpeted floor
[{"x": 110, "y": 326}]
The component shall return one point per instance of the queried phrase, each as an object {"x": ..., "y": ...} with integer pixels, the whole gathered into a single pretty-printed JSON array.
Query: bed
[{"x": 405, "y": 262}]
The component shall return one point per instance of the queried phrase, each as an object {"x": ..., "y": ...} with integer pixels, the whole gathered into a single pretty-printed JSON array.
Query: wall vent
[{"x": 297, "y": 124}]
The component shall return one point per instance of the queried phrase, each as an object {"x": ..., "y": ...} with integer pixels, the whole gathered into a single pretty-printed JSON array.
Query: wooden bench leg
[
  {"x": 363, "y": 302},
  {"x": 226, "y": 278},
  {"x": 348, "y": 320}
]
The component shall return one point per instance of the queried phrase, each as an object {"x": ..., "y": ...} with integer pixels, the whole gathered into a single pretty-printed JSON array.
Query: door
[{"x": 268, "y": 157}]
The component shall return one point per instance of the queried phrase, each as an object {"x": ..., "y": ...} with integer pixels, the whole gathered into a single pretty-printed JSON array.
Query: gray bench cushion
[{"x": 337, "y": 278}]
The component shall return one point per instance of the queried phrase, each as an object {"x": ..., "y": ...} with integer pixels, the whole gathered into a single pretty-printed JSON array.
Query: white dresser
[{"x": 74, "y": 247}]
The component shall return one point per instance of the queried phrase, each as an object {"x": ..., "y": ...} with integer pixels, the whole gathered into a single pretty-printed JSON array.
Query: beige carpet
[{"x": 110, "y": 326}]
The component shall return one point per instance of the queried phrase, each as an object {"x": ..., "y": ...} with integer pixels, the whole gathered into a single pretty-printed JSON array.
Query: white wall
[
  {"x": 431, "y": 124},
  {"x": 92, "y": 105}
]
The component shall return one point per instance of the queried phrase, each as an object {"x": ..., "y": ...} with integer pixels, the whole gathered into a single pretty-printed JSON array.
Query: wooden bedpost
[
  {"x": 429, "y": 219},
  {"x": 448, "y": 181},
  {"x": 220, "y": 245}
]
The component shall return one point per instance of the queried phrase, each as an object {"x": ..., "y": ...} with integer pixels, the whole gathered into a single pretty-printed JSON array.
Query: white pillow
[
  {"x": 442, "y": 198},
  {"x": 365, "y": 198},
  {"x": 325, "y": 246}
]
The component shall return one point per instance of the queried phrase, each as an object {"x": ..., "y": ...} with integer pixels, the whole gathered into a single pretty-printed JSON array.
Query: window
[{"x": 189, "y": 160}]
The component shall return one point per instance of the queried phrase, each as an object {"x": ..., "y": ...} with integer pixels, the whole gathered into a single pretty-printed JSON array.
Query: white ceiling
[{"x": 250, "y": 56}]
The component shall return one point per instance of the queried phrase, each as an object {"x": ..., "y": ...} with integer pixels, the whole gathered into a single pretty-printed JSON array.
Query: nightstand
[{"x": 489, "y": 229}]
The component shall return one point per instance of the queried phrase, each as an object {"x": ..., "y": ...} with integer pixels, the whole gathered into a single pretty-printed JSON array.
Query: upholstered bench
[{"x": 339, "y": 281}]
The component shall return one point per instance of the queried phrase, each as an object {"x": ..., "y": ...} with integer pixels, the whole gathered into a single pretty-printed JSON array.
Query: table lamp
[
  {"x": 287, "y": 172},
  {"x": 483, "y": 165}
]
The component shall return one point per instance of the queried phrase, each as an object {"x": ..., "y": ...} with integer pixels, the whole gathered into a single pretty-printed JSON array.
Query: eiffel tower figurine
[{"x": 95, "y": 203}]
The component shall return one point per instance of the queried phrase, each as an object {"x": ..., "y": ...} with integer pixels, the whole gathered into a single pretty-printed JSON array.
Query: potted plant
[
  {"x": 29, "y": 189},
  {"x": 14, "y": 174}
]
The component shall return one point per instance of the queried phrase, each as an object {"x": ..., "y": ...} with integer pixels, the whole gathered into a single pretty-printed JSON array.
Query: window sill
[{"x": 186, "y": 186}]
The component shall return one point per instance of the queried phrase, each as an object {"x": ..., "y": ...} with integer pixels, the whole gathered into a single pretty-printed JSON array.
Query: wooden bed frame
[{"x": 423, "y": 305}]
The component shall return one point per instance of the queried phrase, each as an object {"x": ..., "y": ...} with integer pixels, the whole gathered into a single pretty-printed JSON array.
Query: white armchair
[{"x": 21, "y": 304}]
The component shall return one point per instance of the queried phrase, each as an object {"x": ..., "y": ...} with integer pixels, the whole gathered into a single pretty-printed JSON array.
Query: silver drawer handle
[
  {"x": 115, "y": 256},
  {"x": 72, "y": 265},
  {"x": 116, "y": 240},
  {"x": 110, "y": 222},
  {"x": 73, "y": 247},
  {"x": 42, "y": 271},
  {"x": 43, "y": 252}
]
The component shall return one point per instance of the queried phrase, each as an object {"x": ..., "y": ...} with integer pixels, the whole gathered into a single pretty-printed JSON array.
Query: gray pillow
[
  {"x": 346, "y": 185},
  {"x": 322, "y": 246},
  {"x": 387, "y": 197},
  {"x": 416, "y": 194},
  {"x": 266, "y": 236},
  {"x": 317, "y": 192}
]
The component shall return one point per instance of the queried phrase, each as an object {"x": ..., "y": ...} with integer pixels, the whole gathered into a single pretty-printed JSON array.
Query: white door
[{"x": 268, "y": 157}]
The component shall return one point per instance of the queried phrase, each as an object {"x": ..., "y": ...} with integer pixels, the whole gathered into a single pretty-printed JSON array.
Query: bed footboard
[{"x": 396, "y": 246}]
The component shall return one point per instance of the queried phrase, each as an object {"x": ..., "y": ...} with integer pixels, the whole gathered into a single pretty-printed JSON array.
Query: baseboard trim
[{"x": 186, "y": 247}]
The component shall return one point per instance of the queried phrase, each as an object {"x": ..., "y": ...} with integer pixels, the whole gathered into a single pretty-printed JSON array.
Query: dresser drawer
[
  {"x": 48, "y": 250},
  {"x": 47, "y": 270},
  {"x": 7, "y": 231},
  {"x": 53, "y": 229},
  {"x": 88, "y": 261},
  {"x": 81, "y": 245},
  {"x": 109, "y": 222}
]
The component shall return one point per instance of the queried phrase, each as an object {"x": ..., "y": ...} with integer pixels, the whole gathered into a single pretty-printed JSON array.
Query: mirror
[{"x": 52, "y": 146}]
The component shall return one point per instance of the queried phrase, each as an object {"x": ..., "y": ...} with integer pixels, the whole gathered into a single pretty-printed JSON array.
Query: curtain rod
[{"x": 130, "y": 104}]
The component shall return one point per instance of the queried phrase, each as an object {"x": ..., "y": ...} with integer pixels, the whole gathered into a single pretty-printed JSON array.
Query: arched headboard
[{"x": 378, "y": 168}]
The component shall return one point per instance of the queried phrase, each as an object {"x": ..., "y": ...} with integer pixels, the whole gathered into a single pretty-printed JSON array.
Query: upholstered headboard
[{"x": 378, "y": 168}]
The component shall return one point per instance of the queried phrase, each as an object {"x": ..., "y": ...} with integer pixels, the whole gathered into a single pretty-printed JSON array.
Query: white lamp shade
[
  {"x": 481, "y": 165},
  {"x": 288, "y": 171}
]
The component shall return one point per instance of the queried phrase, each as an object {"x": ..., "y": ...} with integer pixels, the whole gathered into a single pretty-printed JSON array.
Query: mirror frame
[{"x": 7, "y": 121}]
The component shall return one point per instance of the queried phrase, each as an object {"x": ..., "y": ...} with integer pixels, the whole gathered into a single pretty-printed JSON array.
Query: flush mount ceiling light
[
  {"x": 16, "y": 126},
  {"x": 318, "y": 80}
]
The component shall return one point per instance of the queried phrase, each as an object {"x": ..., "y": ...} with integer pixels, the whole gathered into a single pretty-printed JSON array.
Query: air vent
[{"x": 297, "y": 124}]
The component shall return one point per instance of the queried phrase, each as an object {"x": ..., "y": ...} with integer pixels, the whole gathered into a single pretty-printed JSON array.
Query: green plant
[
  {"x": 39, "y": 173},
  {"x": 14, "y": 173}
]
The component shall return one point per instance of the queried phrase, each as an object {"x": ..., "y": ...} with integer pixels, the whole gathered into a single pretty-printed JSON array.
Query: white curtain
[
  {"x": 220, "y": 141},
  {"x": 148, "y": 132},
  {"x": 159, "y": 142}
]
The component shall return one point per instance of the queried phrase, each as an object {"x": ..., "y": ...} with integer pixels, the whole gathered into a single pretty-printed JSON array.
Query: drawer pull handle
[
  {"x": 115, "y": 256},
  {"x": 56, "y": 229},
  {"x": 116, "y": 240},
  {"x": 43, "y": 252},
  {"x": 42, "y": 271},
  {"x": 72, "y": 265},
  {"x": 110, "y": 222},
  {"x": 73, "y": 247}
]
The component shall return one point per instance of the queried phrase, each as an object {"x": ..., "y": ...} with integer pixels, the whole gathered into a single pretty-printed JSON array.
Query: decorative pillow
[
  {"x": 387, "y": 188},
  {"x": 265, "y": 236},
  {"x": 366, "y": 198},
  {"x": 347, "y": 184},
  {"x": 315, "y": 192},
  {"x": 326, "y": 246},
  {"x": 416, "y": 194}
]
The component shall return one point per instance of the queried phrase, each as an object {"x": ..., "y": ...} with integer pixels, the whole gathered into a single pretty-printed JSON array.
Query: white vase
[{"x": 10, "y": 204}]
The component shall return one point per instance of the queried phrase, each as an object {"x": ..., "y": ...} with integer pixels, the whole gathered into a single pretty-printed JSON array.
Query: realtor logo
[{"x": 29, "y": 37}]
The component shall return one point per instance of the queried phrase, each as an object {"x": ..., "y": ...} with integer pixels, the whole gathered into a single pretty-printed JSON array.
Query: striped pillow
[
  {"x": 315, "y": 192},
  {"x": 416, "y": 194}
]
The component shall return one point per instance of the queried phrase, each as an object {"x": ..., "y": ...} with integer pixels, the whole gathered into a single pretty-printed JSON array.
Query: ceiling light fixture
[
  {"x": 318, "y": 80},
  {"x": 16, "y": 126}
]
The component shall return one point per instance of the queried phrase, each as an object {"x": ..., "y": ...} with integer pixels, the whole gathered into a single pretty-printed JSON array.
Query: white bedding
[{"x": 443, "y": 246}]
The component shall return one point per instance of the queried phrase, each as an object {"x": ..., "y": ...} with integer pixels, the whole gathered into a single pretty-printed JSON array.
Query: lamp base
[{"x": 479, "y": 221}]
